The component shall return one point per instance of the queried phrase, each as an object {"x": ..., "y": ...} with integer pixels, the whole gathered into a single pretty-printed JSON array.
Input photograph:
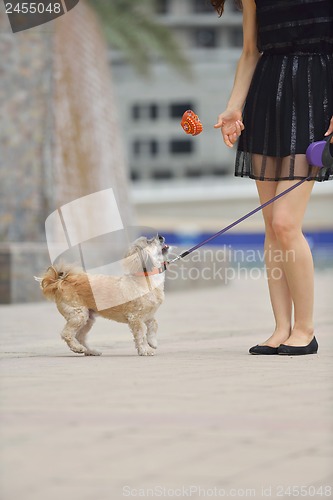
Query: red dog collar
[{"x": 155, "y": 270}]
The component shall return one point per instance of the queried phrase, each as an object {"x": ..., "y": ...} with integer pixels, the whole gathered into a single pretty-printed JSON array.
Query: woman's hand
[
  {"x": 330, "y": 129},
  {"x": 231, "y": 125}
]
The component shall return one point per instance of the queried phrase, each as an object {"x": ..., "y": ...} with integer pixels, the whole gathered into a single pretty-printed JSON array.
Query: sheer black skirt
[{"x": 289, "y": 105}]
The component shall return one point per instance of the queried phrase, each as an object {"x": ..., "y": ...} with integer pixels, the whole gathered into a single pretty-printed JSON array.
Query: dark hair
[{"x": 219, "y": 5}]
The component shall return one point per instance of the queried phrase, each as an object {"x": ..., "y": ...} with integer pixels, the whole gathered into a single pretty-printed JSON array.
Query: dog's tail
[{"x": 55, "y": 277}]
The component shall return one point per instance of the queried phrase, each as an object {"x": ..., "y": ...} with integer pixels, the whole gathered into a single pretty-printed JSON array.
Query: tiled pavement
[{"x": 200, "y": 419}]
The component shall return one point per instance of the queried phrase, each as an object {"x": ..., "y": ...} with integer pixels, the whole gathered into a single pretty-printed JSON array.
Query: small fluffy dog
[{"x": 138, "y": 294}]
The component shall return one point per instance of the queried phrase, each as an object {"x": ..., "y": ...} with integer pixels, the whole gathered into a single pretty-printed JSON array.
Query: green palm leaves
[{"x": 130, "y": 26}]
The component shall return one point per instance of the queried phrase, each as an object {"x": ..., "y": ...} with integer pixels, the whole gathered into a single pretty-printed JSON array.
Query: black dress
[{"x": 290, "y": 100}]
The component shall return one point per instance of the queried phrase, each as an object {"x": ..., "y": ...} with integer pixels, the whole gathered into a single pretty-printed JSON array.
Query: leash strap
[{"x": 238, "y": 221}]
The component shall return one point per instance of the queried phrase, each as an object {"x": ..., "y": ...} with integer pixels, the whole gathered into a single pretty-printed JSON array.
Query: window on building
[
  {"x": 145, "y": 112},
  {"x": 220, "y": 171},
  {"x": 202, "y": 6},
  {"x": 153, "y": 148},
  {"x": 178, "y": 109},
  {"x": 236, "y": 37},
  {"x": 194, "y": 172},
  {"x": 162, "y": 6},
  {"x": 162, "y": 174},
  {"x": 145, "y": 148},
  {"x": 135, "y": 176},
  {"x": 181, "y": 146},
  {"x": 205, "y": 37}
]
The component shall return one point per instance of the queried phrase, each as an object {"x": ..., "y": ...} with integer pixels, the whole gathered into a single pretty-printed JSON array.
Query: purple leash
[
  {"x": 318, "y": 154},
  {"x": 238, "y": 221}
]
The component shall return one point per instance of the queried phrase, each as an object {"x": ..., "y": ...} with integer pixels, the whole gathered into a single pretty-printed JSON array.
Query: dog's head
[{"x": 146, "y": 254}]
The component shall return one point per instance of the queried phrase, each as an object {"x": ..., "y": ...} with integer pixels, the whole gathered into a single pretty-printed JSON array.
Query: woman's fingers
[
  {"x": 233, "y": 137},
  {"x": 241, "y": 125},
  {"x": 227, "y": 141},
  {"x": 230, "y": 129}
]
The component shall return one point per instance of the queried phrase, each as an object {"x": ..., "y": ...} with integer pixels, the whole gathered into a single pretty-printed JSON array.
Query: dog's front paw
[
  {"x": 146, "y": 351},
  {"x": 92, "y": 352},
  {"x": 79, "y": 349}
]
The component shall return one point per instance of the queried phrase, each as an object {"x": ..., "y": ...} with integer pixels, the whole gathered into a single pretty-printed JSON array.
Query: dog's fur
[{"x": 72, "y": 291}]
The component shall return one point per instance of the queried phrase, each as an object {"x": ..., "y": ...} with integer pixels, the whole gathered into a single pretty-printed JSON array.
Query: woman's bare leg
[{"x": 277, "y": 282}]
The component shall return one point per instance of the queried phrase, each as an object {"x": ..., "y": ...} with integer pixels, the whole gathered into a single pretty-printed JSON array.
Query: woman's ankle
[
  {"x": 305, "y": 328},
  {"x": 279, "y": 336},
  {"x": 300, "y": 337}
]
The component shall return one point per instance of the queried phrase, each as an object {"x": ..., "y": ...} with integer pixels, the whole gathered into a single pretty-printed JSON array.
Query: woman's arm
[{"x": 230, "y": 120}]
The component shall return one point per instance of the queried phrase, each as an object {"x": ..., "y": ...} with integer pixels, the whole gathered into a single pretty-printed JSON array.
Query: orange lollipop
[{"x": 191, "y": 123}]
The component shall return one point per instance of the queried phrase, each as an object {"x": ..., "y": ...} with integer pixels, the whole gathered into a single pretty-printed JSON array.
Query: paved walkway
[{"x": 202, "y": 414}]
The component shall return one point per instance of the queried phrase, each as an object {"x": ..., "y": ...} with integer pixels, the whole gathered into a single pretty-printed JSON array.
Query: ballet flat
[
  {"x": 263, "y": 349},
  {"x": 290, "y": 350}
]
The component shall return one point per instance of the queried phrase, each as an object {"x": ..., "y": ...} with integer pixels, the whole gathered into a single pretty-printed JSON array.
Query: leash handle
[
  {"x": 327, "y": 158},
  {"x": 238, "y": 221}
]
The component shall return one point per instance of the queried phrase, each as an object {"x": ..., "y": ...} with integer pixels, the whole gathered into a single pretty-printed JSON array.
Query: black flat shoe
[
  {"x": 291, "y": 350},
  {"x": 263, "y": 349}
]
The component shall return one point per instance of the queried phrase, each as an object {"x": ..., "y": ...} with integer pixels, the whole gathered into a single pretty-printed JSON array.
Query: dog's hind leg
[
  {"x": 82, "y": 334},
  {"x": 138, "y": 329},
  {"x": 152, "y": 327},
  {"x": 77, "y": 318}
]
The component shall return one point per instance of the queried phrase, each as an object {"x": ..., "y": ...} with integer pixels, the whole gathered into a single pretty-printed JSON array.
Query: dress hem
[{"x": 271, "y": 179}]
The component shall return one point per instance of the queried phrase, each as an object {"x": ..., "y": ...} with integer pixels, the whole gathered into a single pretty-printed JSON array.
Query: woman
[{"x": 285, "y": 78}]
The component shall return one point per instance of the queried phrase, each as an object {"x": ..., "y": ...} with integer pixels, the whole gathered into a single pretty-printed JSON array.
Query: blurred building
[
  {"x": 151, "y": 109},
  {"x": 199, "y": 193}
]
